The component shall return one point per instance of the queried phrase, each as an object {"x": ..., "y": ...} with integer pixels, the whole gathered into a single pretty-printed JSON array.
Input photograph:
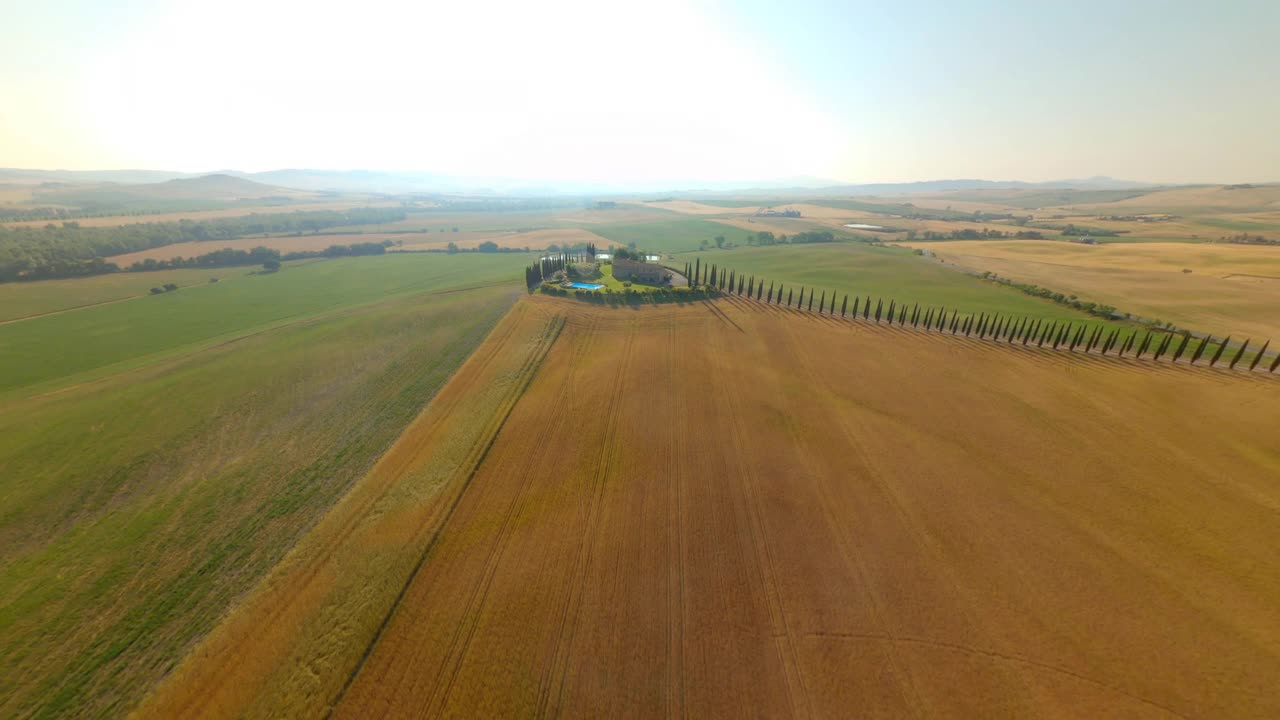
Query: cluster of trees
[
  {"x": 69, "y": 250},
  {"x": 1247, "y": 239},
  {"x": 227, "y": 257},
  {"x": 545, "y": 268},
  {"x": 1102, "y": 311},
  {"x": 167, "y": 287},
  {"x": 971, "y": 234},
  {"x": 1001, "y": 328}
]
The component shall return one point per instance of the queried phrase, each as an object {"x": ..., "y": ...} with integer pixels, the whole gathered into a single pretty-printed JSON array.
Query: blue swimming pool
[{"x": 586, "y": 286}]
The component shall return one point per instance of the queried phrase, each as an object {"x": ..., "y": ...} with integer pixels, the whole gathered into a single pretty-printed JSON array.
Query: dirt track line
[
  {"x": 582, "y": 349},
  {"x": 528, "y": 371},
  {"x": 326, "y": 550},
  {"x": 676, "y": 590},
  {"x": 783, "y": 638},
  {"x": 853, "y": 561},
  {"x": 460, "y": 643},
  {"x": 608, "y": 450},
  {"x": 922, "y": 537}
]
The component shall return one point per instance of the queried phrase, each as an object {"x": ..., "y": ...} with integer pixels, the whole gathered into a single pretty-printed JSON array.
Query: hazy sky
[{"x": 1172, "y": 91}]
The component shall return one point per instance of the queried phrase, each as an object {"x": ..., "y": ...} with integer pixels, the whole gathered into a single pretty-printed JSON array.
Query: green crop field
[
  {"x": 883, "y": 272},
  {"x": 671, "y": 236},
  {"x": 23, "y": 300},
  {"x": 59, "y": 348},
  {"x": 141, "y": 504}
]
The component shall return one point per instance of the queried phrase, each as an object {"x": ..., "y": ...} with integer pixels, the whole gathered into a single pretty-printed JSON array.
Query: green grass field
[
  {"x": 883, "y": 272},
  {"x": 73, "y": 346},
  {"x": 671, "y": 236},
  {"x": 22, "y": 300},
  {"x": 141, "y": 505}
]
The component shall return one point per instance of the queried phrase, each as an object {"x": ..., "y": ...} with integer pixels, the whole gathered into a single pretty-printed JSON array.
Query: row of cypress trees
[{"x": 1070, "y": 336}]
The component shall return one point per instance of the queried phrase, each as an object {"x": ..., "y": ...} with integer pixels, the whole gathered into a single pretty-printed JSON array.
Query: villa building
[{"x": 648, "y": 273}]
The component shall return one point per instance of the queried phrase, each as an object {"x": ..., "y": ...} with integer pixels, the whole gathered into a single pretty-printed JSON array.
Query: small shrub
[
  {"x": 170, "y": 287},
  {"x": 157, "y": 291},
  {"x": 626, "y": 283}
]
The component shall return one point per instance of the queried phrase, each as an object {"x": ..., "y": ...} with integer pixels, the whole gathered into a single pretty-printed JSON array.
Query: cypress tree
[
  {"x": 955, "y": 317},
  {"x": 915, "y": 314},
  {"x": 1075, "y": 339},
  {"x": 1204, "y": 341},
  {"x": 769, "y": 299},
  {"x": 866, "y": 309},
  {"x": 890, "y": 313},
  {"x": 822, "y": 302},
  {"x": 810, "y": 300},
  {"x": 1040, "y": 341},
  {"x": 844, "y": 304},
  {"x": 1186, "y": 337},
  {"x": 1142, "y": 347},
  {"x": 928, "y": 319},
  {"x": 1106, "y": 345},
  {"x": 1258, "y": 357},
  {"x": 697, "y": 270},
  {"x": 760, "y": 289},
  {"x": 1274, "y": 363},
  {"x": 1030, "y": 331},
  {"x": 879, "y": 304},
  {"x": 1057, "y": 337},
  {"x": 789, "y": 295},
  {"x": 1164, "y": 345},
  {"x": 855, "y": 307},
  {"x": 1239, "y": 354},
  {"x": 1221, "y": 348},
  {"x": 1093, "y": 338},
  {"x": 751, "y": 286}
]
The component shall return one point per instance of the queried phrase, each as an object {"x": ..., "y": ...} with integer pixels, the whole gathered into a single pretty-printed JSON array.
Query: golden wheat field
[
  {"x": 1230, "y": 289},
  {"x": 732, "y": 509}
]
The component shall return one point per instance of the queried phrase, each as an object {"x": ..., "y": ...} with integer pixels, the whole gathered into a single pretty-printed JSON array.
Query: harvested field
[
  {"x": 726, "y": 509},
  {"x": 1221, "y": 295},
  {"x": 535, "y": 239}
]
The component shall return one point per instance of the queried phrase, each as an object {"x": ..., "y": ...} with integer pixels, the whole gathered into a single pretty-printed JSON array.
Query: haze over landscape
[
  {"x": 645, "y": 95},
  {"x": 676, "y": 359}
]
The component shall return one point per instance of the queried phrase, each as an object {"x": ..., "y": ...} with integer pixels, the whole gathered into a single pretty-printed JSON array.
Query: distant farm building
[
  {"x": 603, "y": 256},
  {"x": 770, "y": 212},
  {"x": 640, "y": 272}
]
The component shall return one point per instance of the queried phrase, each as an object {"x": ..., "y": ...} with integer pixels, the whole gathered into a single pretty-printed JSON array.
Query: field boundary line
[{"x": 530, "y": 370}]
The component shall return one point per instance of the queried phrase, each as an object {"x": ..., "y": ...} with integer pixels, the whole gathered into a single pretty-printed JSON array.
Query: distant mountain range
[{"x": 397, "y": 182}]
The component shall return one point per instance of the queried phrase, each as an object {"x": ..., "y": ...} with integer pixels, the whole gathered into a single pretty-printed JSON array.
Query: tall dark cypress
[
  {"x": 810, "y": 308},
  {"x": 955, "y": 316},
  {"x": 1093, "y": 337},
  {"x": 928, "y": 318},
  {"x": 822, "y": 302},
  {"x": 879, "y": 304},
  {"x": 1057, "y": 337},
  {"x": 1239, "y": 354},
  {"x": 1164, "y": 345},
  {"x": 1186, "y": 338},
  {"x": 866, "y": 309},
  {"x": 1142, "y": 346},
  {"x": 890, "y": 313},
  {"x": 844, "y": 304},
  {"x": 854, "y": 315},
  {"x": 697, "y": 271},
  {"x": 769, "y": 299},
  {"x": 751, "y": 286},
  {"x": 789, "y": 295},
  {"x": 1040, "y": 340},
  {"x": 1258, "y": 357},
  {"x": 1204, "y": 342},
  {"x": 1221, "y": 348},
  {"x": 1274, "y": 363}
]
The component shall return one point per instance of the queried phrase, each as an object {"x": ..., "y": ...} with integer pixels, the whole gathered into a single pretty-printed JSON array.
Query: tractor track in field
[
  {"x": 571, "y": 618},
  {"x": 480, "y": 451},
  {"x": 365, "y": 503},
  {"x": 797, "y": 690}
]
